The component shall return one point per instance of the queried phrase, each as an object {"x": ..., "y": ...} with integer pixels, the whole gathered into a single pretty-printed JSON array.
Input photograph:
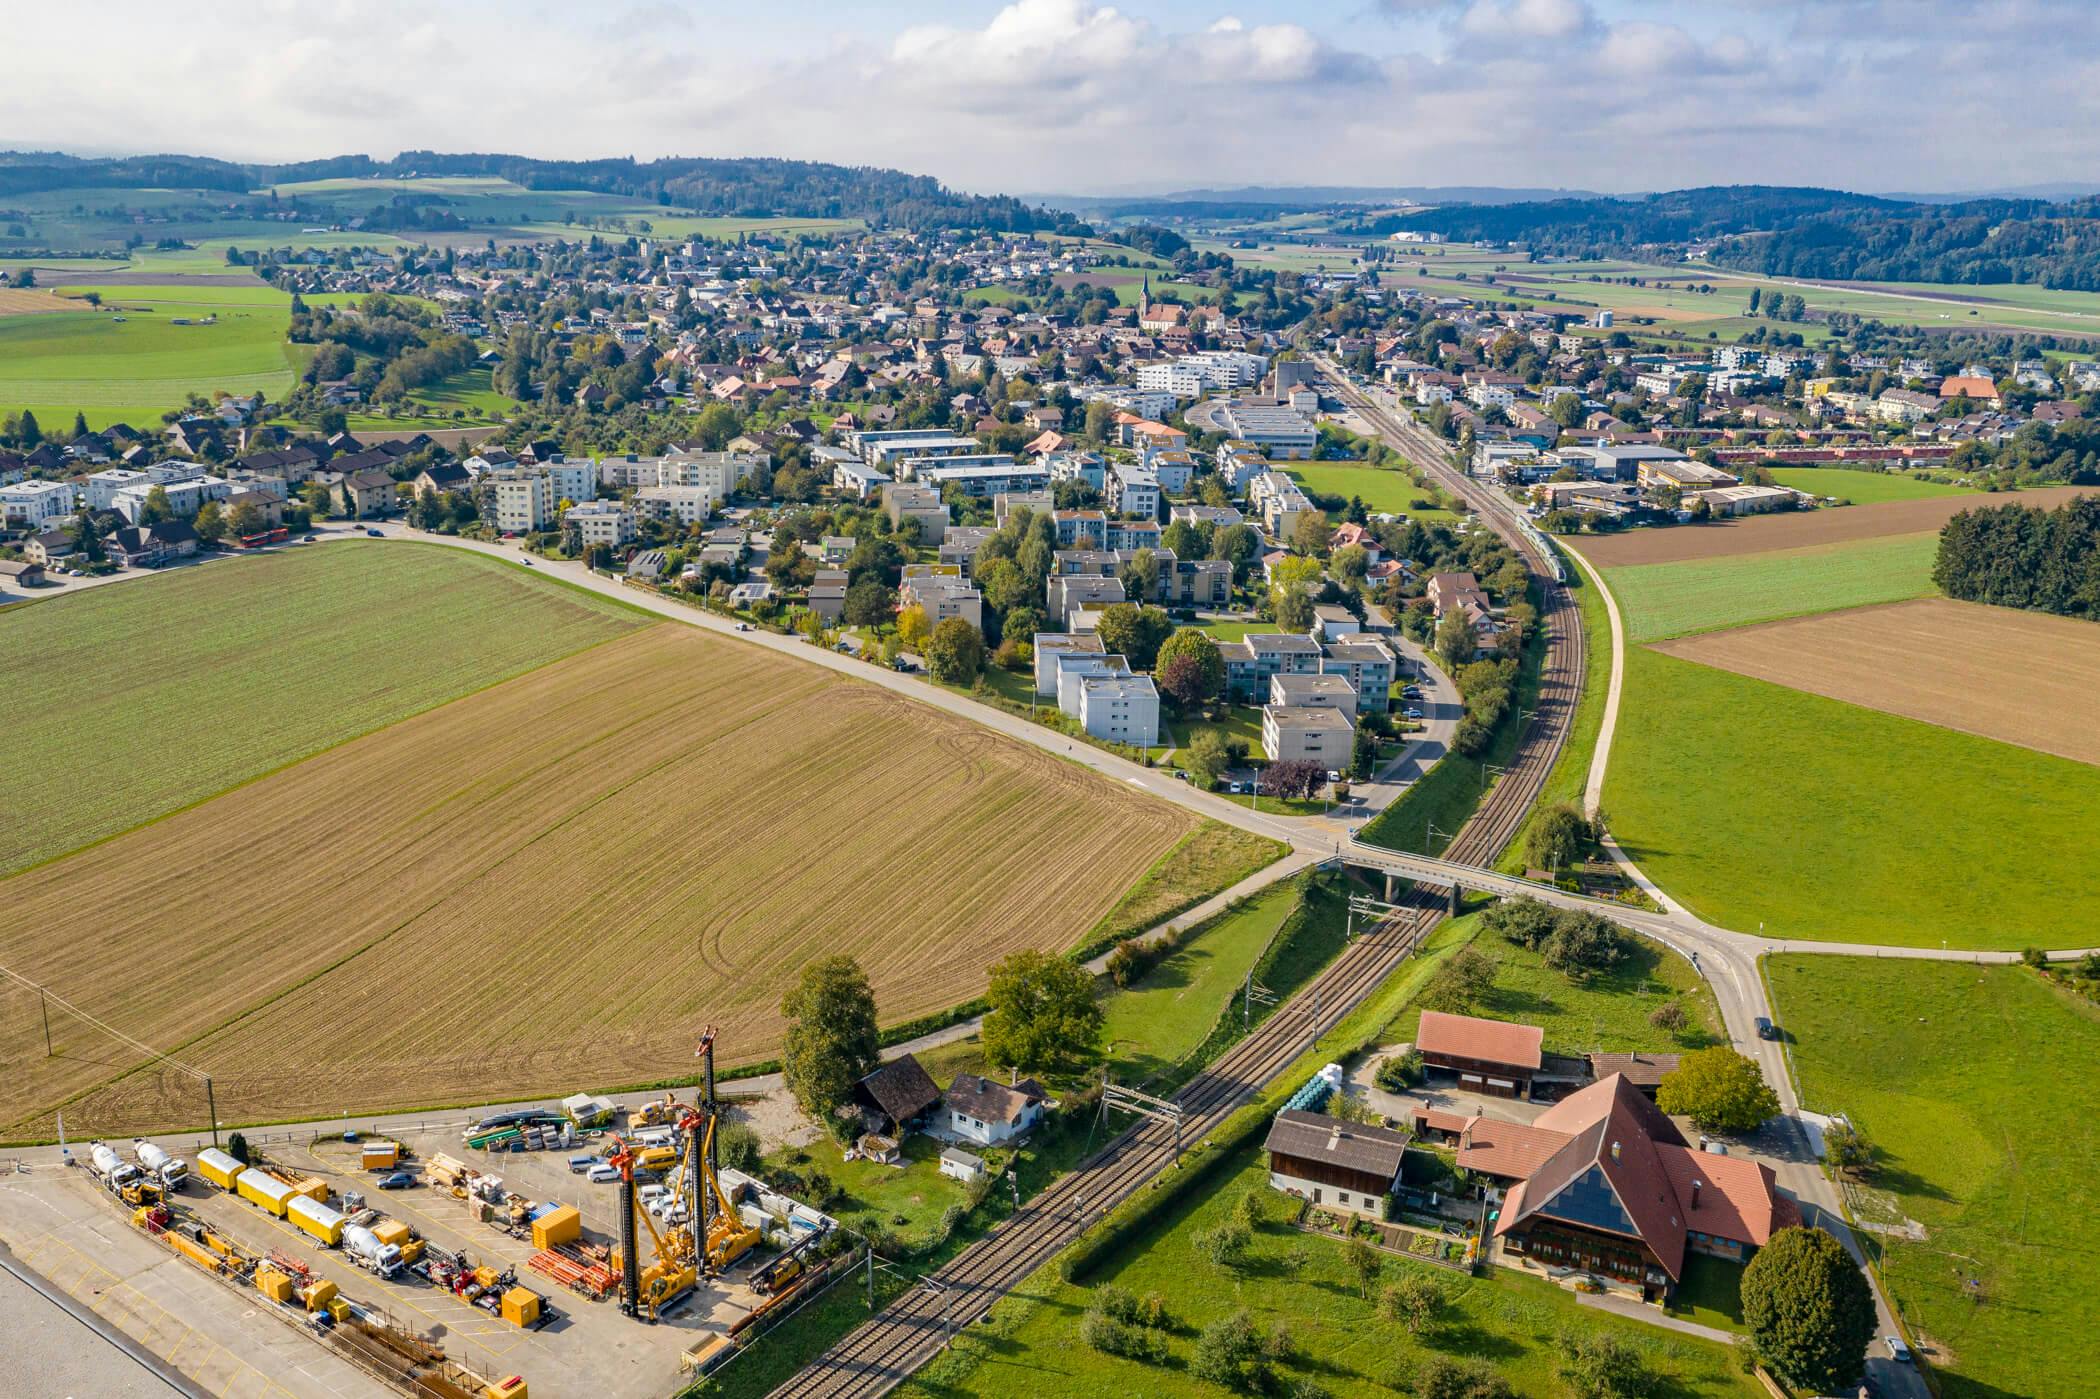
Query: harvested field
[
  {"x": 27, "y": 301},
  {"x": 1799, "y": 529},
  {"x": 551, "y": 884},
  {"x": 1933, "y": 659},
  {"x": 237, "y": 666}
]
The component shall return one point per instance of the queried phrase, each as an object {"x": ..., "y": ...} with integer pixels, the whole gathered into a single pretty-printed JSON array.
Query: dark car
[
  {"x": 376, "y": 534},
  {"x": 1766, "y": 1030},
  {"x": 397, "y": 1180}
]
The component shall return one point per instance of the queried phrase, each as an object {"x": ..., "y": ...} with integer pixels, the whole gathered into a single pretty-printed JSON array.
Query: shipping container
[
  {"x": 218, "y": 1168},
  {"x": 380, "y": 1156},
  {"x": 521, "y": 1306},
  {"x": 273, "y": 1285},
  {"x": 316, "y": 1219},
  {"x": 557, "y": 1226},
  {"x": 265, "y": 1190}
]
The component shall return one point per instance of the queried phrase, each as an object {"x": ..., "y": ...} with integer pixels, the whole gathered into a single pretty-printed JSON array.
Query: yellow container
[
  {"x": 486, "y": 1275},
  {"x": 273, "y": 1285},
  {"x": 264, "y": 1190},
  {"x": 521, "y": 1306},
  {"x": 391, "y": 1231},
  {"x": 411, "y": 1251},
  {"x": 318, "y": 1220},
  {"x": 313, "y": 1188},
  {"x": 218, "y": 1168},
  {"x": 512, "y": 1388},
  {"x": 339, "y": 1309},
  {"x": 380, "y": 1156},
  {"x": 319, "y": 1295},
  {"x": 562, "y": 1226}
]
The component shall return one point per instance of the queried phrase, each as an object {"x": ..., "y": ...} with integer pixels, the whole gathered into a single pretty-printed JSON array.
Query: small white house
[
  {"x": 957, "y": 1164},
  {"x": 988, "y": 1113}
]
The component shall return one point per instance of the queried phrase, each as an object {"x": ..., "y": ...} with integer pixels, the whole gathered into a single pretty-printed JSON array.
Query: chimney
[
  {"x": 1614, "y": 1151},
  {"x": 1334, "y": 1138},
  {"x": 1695, "y": 1193}
]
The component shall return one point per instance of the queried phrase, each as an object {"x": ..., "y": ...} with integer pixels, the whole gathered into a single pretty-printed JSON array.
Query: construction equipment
[
  {"x": 657, "y": 1112},
  {"x": 122, "y": 1179},
  {"x": 170, "y": 1171},
  {"x": 364, "y": 1249},
  {"x": 644, "y": 1292},
  {"x": 711, "y": 1215}
]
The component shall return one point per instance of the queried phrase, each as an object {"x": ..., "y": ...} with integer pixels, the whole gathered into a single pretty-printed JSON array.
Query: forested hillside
[{"x": 2019, "y": 556}]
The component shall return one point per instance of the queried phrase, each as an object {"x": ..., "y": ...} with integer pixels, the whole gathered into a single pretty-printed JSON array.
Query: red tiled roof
[
  {"x": 1736, "y": 1198},
  {"x": 1510, "y": 1150},
  {"x": 1470, "y": 1037}
]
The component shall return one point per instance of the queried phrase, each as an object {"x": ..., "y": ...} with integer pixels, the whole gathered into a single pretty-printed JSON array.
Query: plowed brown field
[
  {"x": 550, "y": 884},
  {"x": 2021, "y": 677},
  {"x": 1800, "y": 528}
]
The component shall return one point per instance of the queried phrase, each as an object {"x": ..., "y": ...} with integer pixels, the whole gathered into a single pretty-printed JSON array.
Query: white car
[
  {"x": 1898, "y": 1352},
  {"x": 601, "y": 1175}
]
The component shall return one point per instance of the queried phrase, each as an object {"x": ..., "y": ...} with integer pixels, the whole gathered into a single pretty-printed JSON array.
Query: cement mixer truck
[
  {"x": 170, "y": 1171},
  {"x": 367, "y": 1252},
  {"x": 122, "y": 1179}
]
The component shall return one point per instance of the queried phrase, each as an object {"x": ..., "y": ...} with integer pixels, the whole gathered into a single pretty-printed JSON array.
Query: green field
[
  {"x": 1977, "y": 1085},
  {"x": 1166, "y": 1014},
  {"x": 1608, "y": 1014},
  {"x": 1658, "y": 600},
  {"x": 1569, "y": 779},
  {"x": 137, "y": 698},
  {"x": 1030, "y": 1343},
  {"x": 130, "y": 361},
  {"x": 1862, "y": 487},
  {"x": 1760, "y": 806},
  {"x": 1381, "y": 490}
]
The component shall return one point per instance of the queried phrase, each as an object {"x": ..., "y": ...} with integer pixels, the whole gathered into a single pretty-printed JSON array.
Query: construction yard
[{"x": 547, "y": 885}]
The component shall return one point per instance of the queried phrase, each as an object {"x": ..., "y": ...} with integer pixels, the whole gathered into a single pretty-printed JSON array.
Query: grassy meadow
[
  {"x": 239, "y": 666},
  {"x": 1976, "y": 1084},
  {"x": 1863, "y": 487},
  {"x": 1661, "y": 600},
  {"x": 1766, "y": 808}
]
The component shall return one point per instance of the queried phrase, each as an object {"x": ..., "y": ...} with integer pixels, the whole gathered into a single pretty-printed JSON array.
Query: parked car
[
  {"x": 1766, "y": 1030},
  {"x": 376, "y": 534},
  {"x": 580, "y": 1164},
  {"x": 397, "y": 1180},
  {"x": 1411, "y": 692},
  {"x": 1410, "y": 713},
  {"x": 601, "y": 1175},
  {"x": 743, "y": 626},
  {"x": 1898, "y": 1352},
  {"x": 313, "y": 539},
  {"x": 526, "y": 562}
]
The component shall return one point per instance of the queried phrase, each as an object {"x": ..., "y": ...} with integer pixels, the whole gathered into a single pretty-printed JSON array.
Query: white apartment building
[
  {"x": 683, "y": 505},
  {"x": 35, "y": 504},
  {"x": 1168, "y": 377},
  {"x": 185, "y": 498},
  {"x": 604, "y": 522},
  {"x": 717, "y": 473},
  {"x": 1120, "y": 709},
  {"x": 523, "y": 501},
  {"x": 1136, "y": 491},
  {"x": 573, "y": 481},
  {"x": 100, "y": 490}
]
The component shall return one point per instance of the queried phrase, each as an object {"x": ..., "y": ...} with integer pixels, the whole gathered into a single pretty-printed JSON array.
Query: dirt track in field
[
  {"x": 554, "y": 883},
  {"x": 2020, "y": 677},
  {"x": 1798, "y": 529}
]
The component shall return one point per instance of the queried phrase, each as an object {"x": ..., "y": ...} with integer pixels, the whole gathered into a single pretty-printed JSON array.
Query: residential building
[
  {"x": 150, "y": 546},
  {"x": 990, "y": 1113},
  {"x": 921, "y": 505},
  {"x": 1368, "y": 665},
  {"x": 1253, "y": 659},
  {"x": 686, "y": 506},
  {"x": 1130, "y": 535},
  {"x": 99, "y": 491},
  {"x": 185, "y": 496},
  {"x": 573, "y": 481},
  {"x": 1320, "y": 691},
  {"x": 1317, "y": 735},
  {"x": 1136, "y": 491},
  {"x": 717, "y": 473},
  {"x": 942, "y": 592},
  {"x": 1068, "y": 593},
  {"x": 1075, "y": 668},
  {"x": 1080, "y": 529},
  {"x": 604, "y": 522},
  {"x": 1334, "y": 1164},
  {"x": 521, "y": 501},
  {"x": 53, "y": 546},
  {"x": 1196, "y": 583},
  {"x": 365, "y": 493},
  {"x": 858, "y": 478},
  {"x": 982, "y": 477},
  {"x": 1049, "y": 646},
  {"x": 1120, "y": 709},
  {"x": 34, "y": 505},
  {"x": 1280, "y": 503},
  {"x": 1216, "y": 516}
]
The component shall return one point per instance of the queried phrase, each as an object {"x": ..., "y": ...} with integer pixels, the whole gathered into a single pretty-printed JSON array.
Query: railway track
[{"x": 885, "y": 1350}]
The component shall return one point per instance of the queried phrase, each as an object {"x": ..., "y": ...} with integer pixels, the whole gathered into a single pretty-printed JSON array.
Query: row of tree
[{"x": 2023, "y": 556}]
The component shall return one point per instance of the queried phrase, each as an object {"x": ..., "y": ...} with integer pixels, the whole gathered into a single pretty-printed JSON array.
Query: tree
[
  {"x": 1292, "y": 779},
  {"x": 870, "y": 603},
  {"x": 1225, "y": 1247},
  {"x": 27, "y": 433},
  {"x": 247, "y": 518},
  {"x": 1207, "y": 757},
  {"x": 1041, "y": 1012},
  {"x": 1005, "y": 586},
  {"x": 85, "y": 539},
  {"x": 1190, "y": 668},
  {"x": 1455, "y": 639},
  {"x": 1139, "y": 575},
  {"x": 1558, "y": 835},
  {"x": 1294, "y": 608},
  {"x": 1444, "y": 1378},
  {"x": 237, "y": 1148},
  {"x": 1414, "y": 1301},
  {"x": 955, "y": 652},
  {"x": 1135, "y": 632},
  {"x": 1349, "y": 565},
  {"x": 1460, "y": 982},
  {"x": 210, "y": 522},
  {"x": 831, "y": 1041},
  {"x": 1363, "y": 754},
  {"x": 1367, "y": 1263},
  {"x": 1310, "y": 534},
  {"x": 1807, "y": 1306},
  {"x": 1719, "y": 1089},
  {"x": 316, "y": 499},
  {"x": 1598, "y": 1365},
  {"x": 913, "y": 629},
  {"x": 157, "y": 509},
  {"x": 1230, "y": 1354}
]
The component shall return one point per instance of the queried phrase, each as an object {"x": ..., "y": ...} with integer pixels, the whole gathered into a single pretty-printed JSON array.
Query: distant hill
[
  {"x": 1267, "y": 201},
  {"x": 747, "y": 188},
  {"x": 1607, "y": 224}
]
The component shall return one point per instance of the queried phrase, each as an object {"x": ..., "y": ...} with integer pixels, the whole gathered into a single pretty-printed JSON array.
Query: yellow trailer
[
  {"x": 264, "y": 1190},
  {"x": 380, "y": 1156},
  {"x": 218, "y": 1168},
  {"x": 321, "y": 1221}
]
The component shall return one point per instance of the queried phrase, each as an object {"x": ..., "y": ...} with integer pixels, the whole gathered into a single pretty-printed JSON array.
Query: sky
[{"x": 1072, "y": 96}]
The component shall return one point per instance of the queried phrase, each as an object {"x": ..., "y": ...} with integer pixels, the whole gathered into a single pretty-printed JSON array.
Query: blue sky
[{"x": 1073, "y": 95}]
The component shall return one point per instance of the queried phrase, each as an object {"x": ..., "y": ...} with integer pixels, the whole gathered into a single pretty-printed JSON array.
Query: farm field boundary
[
  {"x": 1933, "y": 659},
  {"x": 553, "y": 883},
  {"x": 1702, "y": 595},
  {"x": 1799, "y": 529}
]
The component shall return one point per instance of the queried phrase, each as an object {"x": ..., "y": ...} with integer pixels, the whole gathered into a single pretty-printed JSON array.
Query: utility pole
[
  {"x": 211, "y": 1105},
  {"x": 44, "y": 1002}
]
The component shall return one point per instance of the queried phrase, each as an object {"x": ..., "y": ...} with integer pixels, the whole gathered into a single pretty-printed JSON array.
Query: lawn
[
  {"x": 1151, "y": 1025},
  {"x": 1658, "y": 600},
  {"x": 577, "y": 866},
  {"x": 1862, "y": 487},
  {"x": 1976, "y": 1083},
  {"x": 1383, "y": 490},
  {"x": 1208, "y": 860},
  {"x": 1241, "y": 721},
  {"x": 1608, "y": 1014},
  {"x": 1710, "y": 1293},
  {"x": 1765, "y": 807},
  {"x": 1030, "y": 1343},
  {"x": 240, "y": 666}
]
